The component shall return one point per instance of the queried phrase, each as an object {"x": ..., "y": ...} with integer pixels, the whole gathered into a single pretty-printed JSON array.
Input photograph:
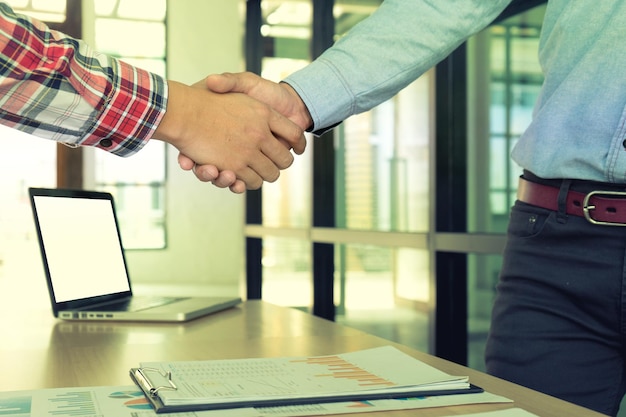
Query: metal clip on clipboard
[{"x": 148, "y": 386}]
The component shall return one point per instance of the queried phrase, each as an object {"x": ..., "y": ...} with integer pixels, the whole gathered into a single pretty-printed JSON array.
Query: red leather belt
[{"x": 598, "y": 207}]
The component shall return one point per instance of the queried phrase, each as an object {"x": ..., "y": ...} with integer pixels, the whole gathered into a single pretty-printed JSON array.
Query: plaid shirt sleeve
[{"x": 56, "y": 87}]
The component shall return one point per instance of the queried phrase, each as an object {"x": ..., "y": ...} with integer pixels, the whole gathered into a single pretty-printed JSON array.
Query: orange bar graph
[{"x": 340, "y": 368}]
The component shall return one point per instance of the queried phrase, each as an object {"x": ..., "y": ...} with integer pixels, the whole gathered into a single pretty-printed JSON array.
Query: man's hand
[
  {"x": 232, "y": 133},
  {"x": 210, "y": 173},
  {"x": 280, "y": 96}
]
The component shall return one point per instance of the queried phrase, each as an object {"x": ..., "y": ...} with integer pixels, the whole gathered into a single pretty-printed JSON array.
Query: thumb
[
  {"x": 223, "y": 83},
  {"x": 185, "y": 162}
]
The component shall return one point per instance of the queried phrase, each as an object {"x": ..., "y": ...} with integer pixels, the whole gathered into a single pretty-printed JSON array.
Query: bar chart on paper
[
  {"x": 339, "y": 368},
  {"x": 64, "y": 404},
  {"x": 73, "y": 403}
]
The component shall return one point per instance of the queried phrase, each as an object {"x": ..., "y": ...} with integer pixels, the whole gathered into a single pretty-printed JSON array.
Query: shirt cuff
[
  {"x": 131, "y": 113},
  {"x": 327, "y": 106}
]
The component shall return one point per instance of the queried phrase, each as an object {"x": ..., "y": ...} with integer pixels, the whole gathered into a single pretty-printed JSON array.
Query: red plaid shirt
[{"x": 57, "y": 87}]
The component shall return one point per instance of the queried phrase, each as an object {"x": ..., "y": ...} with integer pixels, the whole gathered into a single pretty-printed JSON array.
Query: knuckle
[
  {"x": 287, "y": 161},
  {"x": 273, "y": 177},
  {"x": 254, "y": 184},
  {"x": 266, "y": 111}
]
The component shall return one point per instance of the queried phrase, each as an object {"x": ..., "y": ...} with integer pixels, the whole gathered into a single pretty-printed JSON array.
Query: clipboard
[{"x": 153, "y": 382}]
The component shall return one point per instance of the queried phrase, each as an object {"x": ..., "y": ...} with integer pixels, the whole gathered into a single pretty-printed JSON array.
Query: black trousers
[{"x": 559, "y": 318}]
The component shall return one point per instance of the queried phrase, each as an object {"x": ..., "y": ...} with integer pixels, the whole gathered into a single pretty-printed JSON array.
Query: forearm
[
  {"x": 56, "y": 87},
  {"x": 384, "y": 53}
]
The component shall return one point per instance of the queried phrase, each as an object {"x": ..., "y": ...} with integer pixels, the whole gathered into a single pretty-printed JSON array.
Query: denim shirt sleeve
[{"x": 381, "y": 55}]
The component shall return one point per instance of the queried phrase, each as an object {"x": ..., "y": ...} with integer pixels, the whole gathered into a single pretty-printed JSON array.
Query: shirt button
[{"x": 105, "y": 143}]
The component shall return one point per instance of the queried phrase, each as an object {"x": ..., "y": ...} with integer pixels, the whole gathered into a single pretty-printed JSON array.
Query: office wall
[{"x": 205, "y": 243}]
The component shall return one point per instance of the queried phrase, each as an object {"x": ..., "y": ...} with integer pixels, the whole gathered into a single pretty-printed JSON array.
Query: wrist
[
  {"x": 170, "y": 129},
  {"x": 300, "y": 112}
]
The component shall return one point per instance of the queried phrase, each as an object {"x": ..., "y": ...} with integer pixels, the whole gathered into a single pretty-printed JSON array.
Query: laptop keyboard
[{"x": 141, "y": 303}]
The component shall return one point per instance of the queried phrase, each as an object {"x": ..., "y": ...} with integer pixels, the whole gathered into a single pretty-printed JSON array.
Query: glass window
[
  {"x": 287, "y": 265},
  {"x": 287, "y": 28},
  {"x": 482, "y": 277},
  {"x": 148, "y": 40},
  {"x": 504, "y": 82},
  {"x": 383, "y": 164},
  {"x": 49, "y": 5},
  {"x": 504, "y": 79},
  {"x": 383, "y": 175},
  {"x": 377, "y": 152},
  {"x": 138, "y": 183},
  {"x": 287, "y": 202},
  {"x": 382, "y": 167},
  {"x": 383, "y": 155},
  {"x": 44, "y": 10},
  {"x": 25, "y": 161},
  {"x": 384, "y": 291}
]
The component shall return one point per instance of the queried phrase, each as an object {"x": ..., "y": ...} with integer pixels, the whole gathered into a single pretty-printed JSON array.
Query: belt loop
[{"x": 561, "y": 215}]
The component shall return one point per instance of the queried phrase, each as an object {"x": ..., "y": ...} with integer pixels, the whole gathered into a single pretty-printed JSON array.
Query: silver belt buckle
[{"x": 588, "y": 208}]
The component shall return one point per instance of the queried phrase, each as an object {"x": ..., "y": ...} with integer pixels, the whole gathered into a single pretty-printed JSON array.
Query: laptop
[{"x": 85, "y": 265}]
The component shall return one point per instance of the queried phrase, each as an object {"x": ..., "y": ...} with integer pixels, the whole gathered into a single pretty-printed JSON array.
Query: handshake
[{"x": 235, "y": 130}]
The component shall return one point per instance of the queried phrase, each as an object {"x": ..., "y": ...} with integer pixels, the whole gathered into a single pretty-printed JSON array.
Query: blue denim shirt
[{"x": 579, "y": 122}]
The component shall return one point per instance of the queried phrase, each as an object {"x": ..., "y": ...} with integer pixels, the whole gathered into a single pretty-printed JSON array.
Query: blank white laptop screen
[
  {"x": 84, "y": 253},
  {"x": 85, "y": 265}
]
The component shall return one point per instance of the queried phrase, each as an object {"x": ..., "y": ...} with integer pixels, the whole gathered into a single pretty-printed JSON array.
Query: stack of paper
[{"x": 375, "y": 373}]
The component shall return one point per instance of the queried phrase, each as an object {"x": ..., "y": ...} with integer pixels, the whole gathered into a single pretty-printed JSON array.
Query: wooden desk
[{"x": 37, "y": 351}]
